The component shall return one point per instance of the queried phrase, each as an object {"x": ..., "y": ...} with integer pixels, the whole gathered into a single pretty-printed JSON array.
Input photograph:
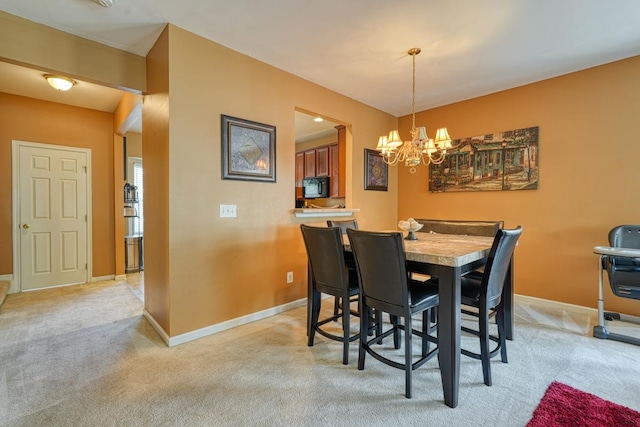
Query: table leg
[
  {"x": 508, "y": 297},
  {"x": 449, "y": 332}
]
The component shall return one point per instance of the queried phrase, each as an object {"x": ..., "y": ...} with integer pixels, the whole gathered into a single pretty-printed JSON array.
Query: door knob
[{"x": 25, "y": 226}]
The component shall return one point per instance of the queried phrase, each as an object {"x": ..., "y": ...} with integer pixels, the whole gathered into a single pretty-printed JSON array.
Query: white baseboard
[
  {"x": 525, "y": 299},
  {"x": 213, "y": 329},
  {"x": 120, "y": 277},
  {"x": 102, "y": 278},
  {"x": 156, "y": 326}
]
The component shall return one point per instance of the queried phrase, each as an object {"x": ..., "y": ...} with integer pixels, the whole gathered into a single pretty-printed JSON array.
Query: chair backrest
[
  {"x": 469, "y": 228},
  {"x": 343, "y": 225},
  {"x": 382, "y": 272},
  {"x": 625, "y": 236},
  {"x": 495, "y": 271},
  {"x": 326, "y": 258}
]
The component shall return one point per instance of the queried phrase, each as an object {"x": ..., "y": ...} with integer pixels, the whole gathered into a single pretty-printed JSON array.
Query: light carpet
[{"x": 84, "y": 356}]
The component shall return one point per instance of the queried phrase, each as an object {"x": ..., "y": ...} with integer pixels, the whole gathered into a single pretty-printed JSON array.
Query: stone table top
[{"x": 451, "y": 250}]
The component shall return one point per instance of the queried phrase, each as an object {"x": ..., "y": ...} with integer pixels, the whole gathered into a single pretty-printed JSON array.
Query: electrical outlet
[
  {"x": 289, "y": 276},
  {"x": 228, "y": 211}
]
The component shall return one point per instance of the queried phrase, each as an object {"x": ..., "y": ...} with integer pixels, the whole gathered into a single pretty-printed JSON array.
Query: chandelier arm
[
  {"x": 436, "y": 160},
  {"x": 390, "y": 159}
]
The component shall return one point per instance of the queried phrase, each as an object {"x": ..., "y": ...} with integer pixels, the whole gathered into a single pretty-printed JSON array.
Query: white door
[{"x": 52, "y": 216}]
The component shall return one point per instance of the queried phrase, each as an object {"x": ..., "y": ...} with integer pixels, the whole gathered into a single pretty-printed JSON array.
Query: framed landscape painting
[{"x": 506, "y": 160}]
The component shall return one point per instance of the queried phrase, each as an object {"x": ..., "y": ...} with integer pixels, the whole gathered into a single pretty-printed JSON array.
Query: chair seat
[
  {"x": 470, "y": 289},
  {"x": 423, "y": 293}
]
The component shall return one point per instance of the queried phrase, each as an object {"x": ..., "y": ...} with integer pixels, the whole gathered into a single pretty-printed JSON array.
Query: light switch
[{"x": 228, "y": 211}]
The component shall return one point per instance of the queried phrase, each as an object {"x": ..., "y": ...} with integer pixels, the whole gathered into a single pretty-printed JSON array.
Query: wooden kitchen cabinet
[
  {"x": 322, "y": 161},
  {"x": 334, "y": 181},
  {"x": 310, "y": 163},
  {"x": 299, "y": 174}
]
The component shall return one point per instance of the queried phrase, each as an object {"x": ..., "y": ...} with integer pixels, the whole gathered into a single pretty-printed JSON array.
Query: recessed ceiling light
[{"x": 318, "y": 119}]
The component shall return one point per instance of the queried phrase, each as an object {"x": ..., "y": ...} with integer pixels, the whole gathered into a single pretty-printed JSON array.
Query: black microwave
[{"x": 315, "y": 187}]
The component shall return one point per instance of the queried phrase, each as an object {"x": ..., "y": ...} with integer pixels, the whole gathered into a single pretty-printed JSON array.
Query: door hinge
[
  {"x": 85, "y": 169},
  {"x": 86, "y": 266},
  {"x": 86, "y": 218}
]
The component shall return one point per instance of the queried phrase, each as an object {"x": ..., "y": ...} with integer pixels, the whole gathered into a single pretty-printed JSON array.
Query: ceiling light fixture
[
  {"x": 318, "y": 120},
  {"x": 421, "y": 149},
  {"x": 105, "y": 3},
  {"x": 59, "y": 83}
]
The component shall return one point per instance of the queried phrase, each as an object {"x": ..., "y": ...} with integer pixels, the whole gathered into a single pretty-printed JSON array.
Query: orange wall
[
  {"x": 155, "y": 151},
  {"x": 205, "y": 269},
  {"x": 27, "y": 119},
  {"x": 588, "y": 171}
]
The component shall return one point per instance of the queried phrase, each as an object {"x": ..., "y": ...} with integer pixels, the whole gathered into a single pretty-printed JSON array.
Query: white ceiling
[
  {"x": 358, "y": 47},
  {"x": 29, "y": 82},
  {"x": 308, "y": 129}
]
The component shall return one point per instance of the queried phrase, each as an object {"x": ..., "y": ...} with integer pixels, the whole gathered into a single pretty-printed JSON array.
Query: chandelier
[{"x": 421, "y": 149}]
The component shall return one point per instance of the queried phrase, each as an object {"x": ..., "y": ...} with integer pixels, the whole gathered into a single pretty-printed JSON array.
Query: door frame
[{"x": 16, "y": 284}]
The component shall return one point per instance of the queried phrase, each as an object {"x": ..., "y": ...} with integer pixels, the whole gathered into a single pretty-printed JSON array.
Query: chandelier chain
[{"x": 413, "y": 91}]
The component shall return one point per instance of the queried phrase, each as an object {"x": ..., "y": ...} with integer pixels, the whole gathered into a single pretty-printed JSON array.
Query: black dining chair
[
  {"x": 343, "y": 225},
  {"x": 385, "y": 286},
  {"x": 483, "y": 291},
  {"x": 329, "y": 275},
  {"x": 449, "y": 226}
]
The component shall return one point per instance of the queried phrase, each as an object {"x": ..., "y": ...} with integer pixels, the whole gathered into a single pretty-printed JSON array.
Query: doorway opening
[{"x": 320, "y": 161}]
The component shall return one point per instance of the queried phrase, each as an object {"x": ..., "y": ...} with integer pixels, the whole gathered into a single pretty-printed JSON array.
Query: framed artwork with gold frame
[{"x": 376, "y": 171}]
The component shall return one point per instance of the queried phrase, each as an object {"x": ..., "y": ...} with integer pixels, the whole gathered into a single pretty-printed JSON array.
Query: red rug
[{"x": 562, "y": 405}]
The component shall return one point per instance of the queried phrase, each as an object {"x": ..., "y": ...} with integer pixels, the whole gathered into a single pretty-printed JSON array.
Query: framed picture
[
  {"x": 502, "y": 161},
  {"x": 375, "y": 171},
  {"x": 248, "y": 150}
]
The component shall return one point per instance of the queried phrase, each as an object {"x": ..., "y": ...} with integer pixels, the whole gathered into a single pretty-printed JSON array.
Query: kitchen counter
[{"x": 323, "y": 212}]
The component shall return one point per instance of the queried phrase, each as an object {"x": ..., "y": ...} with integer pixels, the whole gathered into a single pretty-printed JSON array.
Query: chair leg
[
  {"x": 407, "y": 356},
  {"x": 426, "y": 328},
  {"x": 484, "y": 345},
  {"x": 434, "y": 315},
  {"x": 396, "y": 331},
  {"x": 315, "y": 313},
  {"x": 346, "y": 330},
  {"x": 364, "y": 326},
  {"x": 336, "y": 306},
  {"x": 378, "y": 324},
  {"x": 500, "y": 319}
]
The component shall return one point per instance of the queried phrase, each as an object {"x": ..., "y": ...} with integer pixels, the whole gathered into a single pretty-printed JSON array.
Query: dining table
[{"x": 449, "y": 257}]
